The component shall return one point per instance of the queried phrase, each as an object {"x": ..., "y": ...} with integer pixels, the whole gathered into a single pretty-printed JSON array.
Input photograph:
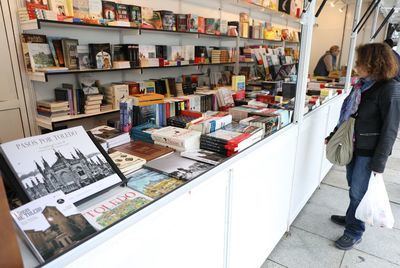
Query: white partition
[
  {"x": 333, "y": 117},
  {"x": 187, "y": 232},
  {"x": 260, "y": 200},
  {"x": 309, "y": 153}
]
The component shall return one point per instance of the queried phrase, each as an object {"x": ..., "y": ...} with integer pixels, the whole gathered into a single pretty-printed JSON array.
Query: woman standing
[{"x": 375, "y": 104}]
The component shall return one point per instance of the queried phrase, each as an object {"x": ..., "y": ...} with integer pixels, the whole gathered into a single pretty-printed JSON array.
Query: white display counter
[{"x": 232, "y": 216}]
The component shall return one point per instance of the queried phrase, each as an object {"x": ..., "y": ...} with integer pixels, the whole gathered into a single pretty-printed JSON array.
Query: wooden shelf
[
  {"x": 48, "y": 122},
  {"x": 43, "y": 76}
]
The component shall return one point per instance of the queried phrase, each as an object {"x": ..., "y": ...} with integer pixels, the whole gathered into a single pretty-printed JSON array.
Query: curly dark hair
[{"x": 378, "y": 60}]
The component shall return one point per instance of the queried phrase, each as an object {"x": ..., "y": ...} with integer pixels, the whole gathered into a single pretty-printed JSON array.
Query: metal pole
[
  {"x": 339, "y": 66},
  {"x": 320, "y": 8},
  {"x": 369, "y": 14},
  {"x": 307, "y": 21},
  {"x": 374, "y": 22},
  {"x": 353, "y": 42},
  {"x": 362, "y": 19},
  {"x": 383, "y": 23}
]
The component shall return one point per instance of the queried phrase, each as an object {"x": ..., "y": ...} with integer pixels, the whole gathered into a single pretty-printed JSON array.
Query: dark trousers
[{"x": 358, "y": 173}]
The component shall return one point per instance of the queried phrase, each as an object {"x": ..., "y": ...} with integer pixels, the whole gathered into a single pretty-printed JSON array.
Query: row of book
[
  {"x": 42, "y": 53},
  {"x": 118, "y": 14}
]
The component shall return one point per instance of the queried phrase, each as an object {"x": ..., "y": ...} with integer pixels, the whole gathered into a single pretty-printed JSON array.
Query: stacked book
[
  {"x": 224, "y": 56},
  {"x": 93, "y": 103},
  {"x": 242, "y": 112},
  {"x": 178, "y": 139},
  {"x": 182, "y": 121},
  {"x": 143, "y": 132},
  {"x": 211, "y": 122},
  {"x": 143, "y": 150},
  {"x": 127, "y": 163},
  {"x": 52, "y": 109},
  {"x": 231, "y": 139},
  {"x": 115, "y": 93},
  {"x": 110, "y": 137},
  {"x": 215, "y": 56},
  {"x": 269, "y": 124}
]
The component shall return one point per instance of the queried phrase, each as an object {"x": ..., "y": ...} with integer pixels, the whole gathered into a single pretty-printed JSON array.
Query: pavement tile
[
  {"x": 381, "y": 242},
  {"x": 357, "y": 259},
  {"x": 303, "y": 249},
  {"x": 271, "y": 264},
  {"x": 336, "y": 178}
]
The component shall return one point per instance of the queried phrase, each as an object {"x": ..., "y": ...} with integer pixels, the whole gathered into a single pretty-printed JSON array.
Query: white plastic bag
[{"x": 374, "y": 208}]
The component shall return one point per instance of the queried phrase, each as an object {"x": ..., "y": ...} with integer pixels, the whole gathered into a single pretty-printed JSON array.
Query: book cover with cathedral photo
[
  {"x": 65, "y": 160},
  {"x": 51, "y": 225},
  {"x": 153, "y": 183},
  {"x": 113, "y": 206}
]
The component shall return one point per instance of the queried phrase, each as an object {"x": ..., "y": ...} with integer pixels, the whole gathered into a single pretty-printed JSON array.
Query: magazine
[{"x": 65, "y": 160}]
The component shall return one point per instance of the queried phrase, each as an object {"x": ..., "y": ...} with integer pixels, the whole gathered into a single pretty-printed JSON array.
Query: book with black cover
[{"x": 100, "y": 56}]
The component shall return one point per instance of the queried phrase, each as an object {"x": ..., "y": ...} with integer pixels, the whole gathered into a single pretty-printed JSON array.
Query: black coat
[{"x": 377, "y": 123}]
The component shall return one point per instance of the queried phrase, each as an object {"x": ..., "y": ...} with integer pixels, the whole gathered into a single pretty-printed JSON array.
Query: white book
[{"x": 177, "y": 137}]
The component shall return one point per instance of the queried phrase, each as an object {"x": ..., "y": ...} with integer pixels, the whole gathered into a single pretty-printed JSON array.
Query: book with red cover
[
  {"x": 32, "y": 5},
  {"x": 144, "y": 150}
]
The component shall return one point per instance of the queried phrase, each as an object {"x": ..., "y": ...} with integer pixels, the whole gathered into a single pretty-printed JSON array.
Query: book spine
[{"x": 70, "y": 102}]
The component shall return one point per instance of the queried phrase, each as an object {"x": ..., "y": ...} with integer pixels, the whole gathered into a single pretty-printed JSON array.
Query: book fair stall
[{"x": 168, "y": 133}]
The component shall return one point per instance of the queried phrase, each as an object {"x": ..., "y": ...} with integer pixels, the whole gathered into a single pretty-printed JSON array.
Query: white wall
[{"x": 329, "y": 30}]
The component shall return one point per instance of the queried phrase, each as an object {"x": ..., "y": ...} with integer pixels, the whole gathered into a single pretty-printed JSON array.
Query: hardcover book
[
  {"x": 65, "y": 160},
  {"x": 147, "y": 17},
  {"x": 59, "y": 7},
  {"x": 127, "y": 163},
  {"x": 100, "y": 56},
  {"x": 122, "y": 12},
  {"x": 95, "y": 9},
  {"x": 135, "y": 16},
  {"x": 33, "y": 5},
  {"x": 113, "y": 206},
  {"x": 156, "y": 21},
  {"x": 152, "y": 183},
  {"x": 83, "y": 57},
  {"x": 30, "y": 38},
  {"x": 70, "y": 52},
  {"x": 178, "y": 167},
  {"x": 40, "y": 57},
  {"x": 109, "y": 10},
  {"x": 81, "y": 9},
  {"x": 51, "y": 225},
  {"x": 193, "y": 21},
  {"x": 181, "y": 22},
  {"x": 168, "y": 20},
  {"x": 204, "y": 156},
  {"x": 201, "y": 25},
  {"x": 143, "y": 150}
]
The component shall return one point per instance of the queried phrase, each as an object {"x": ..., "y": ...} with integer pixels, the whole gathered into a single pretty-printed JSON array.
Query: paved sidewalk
[{"x": 312, "y": 235}]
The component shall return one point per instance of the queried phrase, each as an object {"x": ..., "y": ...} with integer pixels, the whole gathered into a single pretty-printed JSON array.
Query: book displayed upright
[
  {"x": 70, "y": 52},
  {"x": 65, "y": 160},
  {"x": 51, "y": 225}
]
